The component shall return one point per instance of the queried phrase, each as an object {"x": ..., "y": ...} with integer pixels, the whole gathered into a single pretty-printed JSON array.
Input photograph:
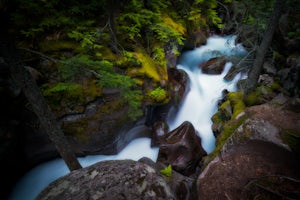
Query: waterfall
[
  {"x": 205, "y": 90},
  {"x": 198, "y": 107}
]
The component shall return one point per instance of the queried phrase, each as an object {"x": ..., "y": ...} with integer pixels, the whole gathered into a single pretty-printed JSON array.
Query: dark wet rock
[
  {"x": 182, "y": 149},
  {"x": 178, "y": 78},
  {"x": 113, "y": 180},
  {"x": 160, "y": 129},
  {"x": 213, "y": 65},
  {"x": 254, "y": 169},
  {"x": 194, "y": 40}
]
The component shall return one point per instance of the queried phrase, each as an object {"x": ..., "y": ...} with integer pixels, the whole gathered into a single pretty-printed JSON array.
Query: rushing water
[
  {"x": 205, "y": 90},
  {"x": 39, "y": 177},
  {"x": 197, "y": 107}
]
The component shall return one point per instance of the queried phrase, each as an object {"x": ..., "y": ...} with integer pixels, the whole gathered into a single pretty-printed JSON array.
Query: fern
[{"x": 167, "y": 171}]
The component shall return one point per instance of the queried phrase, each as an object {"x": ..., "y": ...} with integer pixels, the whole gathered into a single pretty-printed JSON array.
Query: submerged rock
[
  {"x": 213, "y": 65},
  {"x": 113, "y": 180},
  {"x": 182, "y": 149}
]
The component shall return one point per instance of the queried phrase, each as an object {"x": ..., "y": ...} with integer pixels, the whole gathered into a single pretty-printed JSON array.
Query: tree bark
[
  {"x": 263, "y": 47},
  {"x": 39, "y": 105}
]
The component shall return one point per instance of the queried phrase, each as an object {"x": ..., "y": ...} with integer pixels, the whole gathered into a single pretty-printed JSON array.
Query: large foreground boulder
[
  {"x": 255, "y": 170},
  {"x": 110, "y": 180}
]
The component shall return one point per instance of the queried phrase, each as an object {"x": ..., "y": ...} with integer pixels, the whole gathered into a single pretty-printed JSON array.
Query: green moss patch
[
  {"x": 148, "y": 67},
  {"x": 236, "y": 100},
  {"x": 159, "y": 96}
]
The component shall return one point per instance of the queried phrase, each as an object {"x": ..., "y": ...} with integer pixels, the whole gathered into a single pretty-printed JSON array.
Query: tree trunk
[
  {"x": 263, "y": 47},
  {"x": 39, "y": 105}
]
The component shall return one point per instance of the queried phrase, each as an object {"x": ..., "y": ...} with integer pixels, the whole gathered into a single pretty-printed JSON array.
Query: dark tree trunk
[
  {"x": 263, "y": 47},
  {"x": 47, "y": 120}
]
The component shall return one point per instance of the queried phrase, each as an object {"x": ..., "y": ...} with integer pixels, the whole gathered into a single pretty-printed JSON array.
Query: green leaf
[{"x": 167, "y": 171}]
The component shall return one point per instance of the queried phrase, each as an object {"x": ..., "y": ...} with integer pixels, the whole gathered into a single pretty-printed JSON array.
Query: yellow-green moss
[
  {"x": 174, "y": 25},
  {"x": 159, "y": 96},
  {"x": 236, "y": 100},
  {"x": 148, "y": 67},
  {"x": 228, "y": 130}
]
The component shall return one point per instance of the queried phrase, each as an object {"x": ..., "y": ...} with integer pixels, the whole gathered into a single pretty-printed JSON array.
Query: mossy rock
[
  {"x": 148, "y": 68},
  {"x": 237, "y": 103},
  {"x": 77, "y": 130},
  {"x": 228, "y": 129},
  {"x": 261, "y": 94}
]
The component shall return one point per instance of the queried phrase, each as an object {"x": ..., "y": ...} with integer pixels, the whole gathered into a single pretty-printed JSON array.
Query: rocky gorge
[{"x": 257, "y": 134}]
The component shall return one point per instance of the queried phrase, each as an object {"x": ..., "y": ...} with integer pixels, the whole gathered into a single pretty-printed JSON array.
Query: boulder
[
  {"x": 256, "y": 169},
  {"x": 179, "y": 79},
  {"x": 182, "y": 186},
  {"x": 182, "y": 149},
  {"x": 213, "y": 65},
  {"x": 195, "y": 40},
  {"x": 107, "y": 180},
  {"x": 270, "y": 124}
]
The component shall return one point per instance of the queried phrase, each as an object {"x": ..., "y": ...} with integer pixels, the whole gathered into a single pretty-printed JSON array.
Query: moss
[
  {"x": 63, "y": 95},
  {"x": 236, "y": 100},
  {"x": 292, "y": 138},
  {"x": 91, "y": 90},
  {"x": 148, "y": 67},
  {"x": 226, "y": 110},
  {"x": 159, "y": 96},
  {"x": 77, "y": 129},
  {"x": 174, "y": 25},
  {"x": 228, "y": 129},
  {"x": 275, "y": 86},
  {"x": 112, "y": 106},
  {"x": 253, "y": 98},
  {"x": 217, "y": 117}
]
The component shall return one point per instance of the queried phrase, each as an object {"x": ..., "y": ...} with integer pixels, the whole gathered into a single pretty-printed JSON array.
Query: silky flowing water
[
  {"x": 198, "y": 107},
  {"x": 200, "y": 103}
]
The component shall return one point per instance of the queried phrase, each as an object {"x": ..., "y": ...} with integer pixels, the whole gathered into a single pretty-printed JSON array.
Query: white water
[
  {"x": 198, "y": 107},
  {"x": 205, "y": 90},
  {"x": 39, "y": 177}
]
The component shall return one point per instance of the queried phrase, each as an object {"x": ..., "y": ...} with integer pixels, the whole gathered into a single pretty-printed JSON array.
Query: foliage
[
  {"x": 159, "y": 95},
  {"x": 64, "y": 94},
  {"x": 167, "y": 171},
  {"x": 82, "y": 35},
  {"x": 75, "y": 67},
  {"x": 131, "y": 97}
]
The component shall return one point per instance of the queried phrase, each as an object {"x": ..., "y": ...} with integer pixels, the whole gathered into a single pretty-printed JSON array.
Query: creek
[{"x": 199, "y": 104}]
